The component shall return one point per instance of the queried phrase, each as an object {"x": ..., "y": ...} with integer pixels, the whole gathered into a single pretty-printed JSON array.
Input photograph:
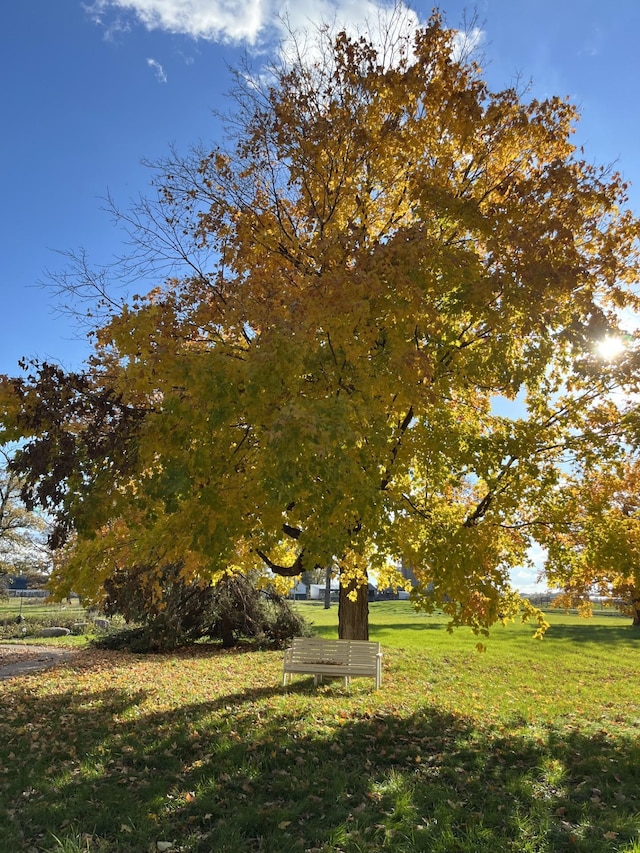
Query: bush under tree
[{"x": 178, "y": 611}]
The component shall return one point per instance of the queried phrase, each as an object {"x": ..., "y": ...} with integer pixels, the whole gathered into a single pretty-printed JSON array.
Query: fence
[
  {"x": 545, "y": 601},
  {"x": 27, "y": 593}
]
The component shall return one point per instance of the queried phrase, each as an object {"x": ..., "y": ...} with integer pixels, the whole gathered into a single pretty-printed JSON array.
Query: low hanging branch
[
  {"x": 293, "y": 532},
  {"x": 296, "y": 568}
]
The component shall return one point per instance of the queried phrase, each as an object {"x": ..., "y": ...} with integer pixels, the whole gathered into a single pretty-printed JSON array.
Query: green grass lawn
[{"x": 529, "y": 746}]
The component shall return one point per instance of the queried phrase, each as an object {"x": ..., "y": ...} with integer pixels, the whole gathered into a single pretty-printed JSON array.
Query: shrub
[{"x": 176, "y": 612}]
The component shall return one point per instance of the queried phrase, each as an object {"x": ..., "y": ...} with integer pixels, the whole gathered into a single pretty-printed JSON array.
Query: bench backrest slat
[{"x": 362, "y": 651}]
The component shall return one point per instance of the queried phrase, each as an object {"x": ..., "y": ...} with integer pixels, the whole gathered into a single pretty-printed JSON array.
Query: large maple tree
[{"x": 383, "y": 253}]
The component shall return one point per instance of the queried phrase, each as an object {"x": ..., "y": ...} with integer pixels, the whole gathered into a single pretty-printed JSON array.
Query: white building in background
[
  {"x": 299, "y": 591},
  {"x": 316, "y": 590}
]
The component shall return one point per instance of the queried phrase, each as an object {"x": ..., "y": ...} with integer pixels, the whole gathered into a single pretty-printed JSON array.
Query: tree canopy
[{"x": 382, "y": 254}]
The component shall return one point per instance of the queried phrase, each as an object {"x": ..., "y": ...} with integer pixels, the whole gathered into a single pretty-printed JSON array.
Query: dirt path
[{"x": 22, "y": 659}]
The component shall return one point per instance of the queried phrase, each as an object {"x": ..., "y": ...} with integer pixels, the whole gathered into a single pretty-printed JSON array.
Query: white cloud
[
  {"x": 112, "y": 26},
  {"x": 159, "y": 70},
  {"x": 467, "y": 42},
  {"x": 388, "y": 20},
  {"x": 263, "y": 24},
  {"x": 161, "y": 77},
  {"x": 237, "y": 21},
  {"x": 212, "y": 20},
  {"x": 347, "y": 14}
]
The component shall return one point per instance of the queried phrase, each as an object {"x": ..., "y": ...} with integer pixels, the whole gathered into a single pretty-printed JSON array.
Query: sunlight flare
[{"x": 610, "y": 347}]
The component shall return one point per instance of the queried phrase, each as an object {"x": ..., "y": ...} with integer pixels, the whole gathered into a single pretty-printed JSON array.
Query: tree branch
[
  {"x": 291, "y": 571},
  {"x": 404, "y": 426}
]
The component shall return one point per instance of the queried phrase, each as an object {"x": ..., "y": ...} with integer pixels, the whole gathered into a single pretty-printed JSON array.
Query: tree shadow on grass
[
  {"x": 377, "y": 633},
  {"x": 604, "y": 635},
  {"x": 258, "y": 772}
]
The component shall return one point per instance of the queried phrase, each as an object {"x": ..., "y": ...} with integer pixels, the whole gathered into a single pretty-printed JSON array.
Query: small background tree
[
  {"x": 593, "y": 541},
  {"x": 23, "y": 548}
]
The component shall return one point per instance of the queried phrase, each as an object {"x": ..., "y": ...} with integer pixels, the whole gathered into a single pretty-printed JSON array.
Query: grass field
[
  {"x": 37, "y": 607},
  {"x": 22, "y": 619},
  {"x": 530, "y": 746}
]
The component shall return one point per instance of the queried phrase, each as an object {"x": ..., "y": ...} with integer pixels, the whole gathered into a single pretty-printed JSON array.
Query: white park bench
[{"x": 333, "y": 658}]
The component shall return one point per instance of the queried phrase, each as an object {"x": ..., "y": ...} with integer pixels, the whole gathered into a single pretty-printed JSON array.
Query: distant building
[
  {"x": 317, "y": 590},
  {"x": 299, "y": 592},
  {"x": 408, "y": 574}
]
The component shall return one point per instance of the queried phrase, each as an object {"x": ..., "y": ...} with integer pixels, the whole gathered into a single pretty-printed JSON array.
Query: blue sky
[{"x": 90, "y": 89}]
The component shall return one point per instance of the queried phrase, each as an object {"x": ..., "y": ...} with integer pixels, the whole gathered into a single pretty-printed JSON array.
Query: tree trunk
[
  {"x": 327, "y": 590},
  {"x": 636, "y": 614},
  {"x": 227, "y": 633},
  {"x": 353, "y": 616}
]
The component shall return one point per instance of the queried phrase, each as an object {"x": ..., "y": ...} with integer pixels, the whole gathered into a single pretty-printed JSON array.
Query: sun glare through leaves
[{"x": 610, "y": 347}]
